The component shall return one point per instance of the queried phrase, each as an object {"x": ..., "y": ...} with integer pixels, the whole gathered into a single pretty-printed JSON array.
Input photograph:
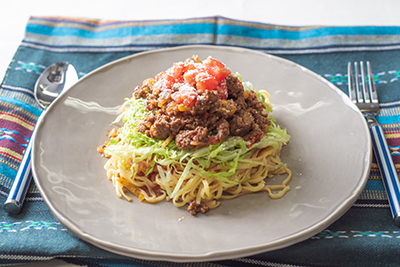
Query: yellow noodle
[{"x": 206, "y": 190}]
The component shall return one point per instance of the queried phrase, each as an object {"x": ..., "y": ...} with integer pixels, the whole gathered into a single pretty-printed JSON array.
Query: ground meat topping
[
  {"x": 200, "y": 103},
  {"x": 195, "y": 208}
]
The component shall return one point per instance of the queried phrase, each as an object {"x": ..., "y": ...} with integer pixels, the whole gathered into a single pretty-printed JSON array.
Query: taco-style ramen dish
[{"x": 195, "y": 134}]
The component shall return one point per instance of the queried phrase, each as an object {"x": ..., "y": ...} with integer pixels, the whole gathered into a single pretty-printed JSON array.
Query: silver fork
[{"x": 366, "y": 99}]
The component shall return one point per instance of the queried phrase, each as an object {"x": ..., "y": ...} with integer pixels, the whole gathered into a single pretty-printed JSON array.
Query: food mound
[
  {"x": 200, "y": 103},
  {"x": 193, "y": 135}
]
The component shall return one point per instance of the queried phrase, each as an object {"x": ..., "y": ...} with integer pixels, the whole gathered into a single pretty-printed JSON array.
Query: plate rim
[{"x": 212, "y": 255}]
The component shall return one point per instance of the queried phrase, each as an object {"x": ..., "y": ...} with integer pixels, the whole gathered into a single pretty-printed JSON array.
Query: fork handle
[{"x": 387, "y": 169}]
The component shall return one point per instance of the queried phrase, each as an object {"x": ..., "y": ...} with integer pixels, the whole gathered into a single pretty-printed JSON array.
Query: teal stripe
[
  {"x": 121, "y": 32},
  {"x": 222, "y": 29},
  {"x": 25, "y": 106},
  {"x": 305, "y": 34},
  {"x": 388, "y": 119},
  {"x": 374, "y": 186}
]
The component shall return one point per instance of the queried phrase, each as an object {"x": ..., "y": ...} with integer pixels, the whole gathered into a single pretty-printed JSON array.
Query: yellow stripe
[
  {"x": 11, "y": 152},
  {"x": 18, "y": 96},
  {"x": 371, "y": 194},
  {"x": 391, "y": 136},
  {"x": 391, "y": 125},
  {"x": 33, "y": 189},
  {"x": 389, "y": 111},
  {"x": 16, "y": 120},
  {"x": 8, "y": 164},
  {"x": 12, "y": 106},
  {"x": 7, "y": 183}
]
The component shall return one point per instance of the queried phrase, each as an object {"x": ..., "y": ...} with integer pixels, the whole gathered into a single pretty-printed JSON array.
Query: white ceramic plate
[{"x": 329, "y": 155}]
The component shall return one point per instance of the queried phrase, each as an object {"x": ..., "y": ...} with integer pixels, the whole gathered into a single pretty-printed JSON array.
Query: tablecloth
[{"x": 364, "y": 236}]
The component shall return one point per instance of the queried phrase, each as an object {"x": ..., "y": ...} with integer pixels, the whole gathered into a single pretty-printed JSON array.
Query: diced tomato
[
  {"x": 166, "y": 79},
  {"x": 213, "y": 62},
  {"x": 206, "y": 115},
  {"x": 186, "y": 95},
  {"x": 222, "y": 89},
  {"x": 160, "y": 76},
  {"x": 190, "y": 100},
  {"x": 213, "y": 139},
  {"x": 177, "y": 97},
  {"x": 169, "y": 81},
  {"x": 207, "y": 76},
  {"x": 179, "y": 70},
  {"x": 205, "y": 81},
  {"x": 191, "y": 66},
  {"x": 216, "y": 68},
  {"x": 191, "y": 71},
  {"x": 190, "y": 76},
  {"x": 221, "y": 75}
]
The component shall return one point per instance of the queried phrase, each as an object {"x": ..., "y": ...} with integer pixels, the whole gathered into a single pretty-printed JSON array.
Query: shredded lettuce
[{"x": 137, "y": 147}]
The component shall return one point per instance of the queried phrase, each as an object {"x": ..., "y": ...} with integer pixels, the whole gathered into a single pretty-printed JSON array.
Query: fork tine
[
  {"x": 372, "y": 89},
  {"x": 365, "y": 89},
  {"x": 352, "y": 92},
  {"x": 359, "y": 91}
]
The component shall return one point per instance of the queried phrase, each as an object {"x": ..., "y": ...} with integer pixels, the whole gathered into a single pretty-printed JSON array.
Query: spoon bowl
[{"x": 53, "y": 81}]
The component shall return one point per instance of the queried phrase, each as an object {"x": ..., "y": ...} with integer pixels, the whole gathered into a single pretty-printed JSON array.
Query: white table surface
[{"x": 14, "y": 15}]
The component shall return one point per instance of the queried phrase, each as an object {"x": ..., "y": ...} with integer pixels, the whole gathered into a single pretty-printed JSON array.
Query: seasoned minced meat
[
  {"x": 235, "y": 87},
  {"x": 240, "y": 124},
  {"x": 191, "y": 139},
  {"x": 142, "y": 91},
  {"x": 195, "y": 115},
  {"x": 195, "y": 208},
  {"x": 176, "y": 124},
  {"x": 205, "y": 102},
  {"x": 160, "y": 128},
  {"x": 223, "y": 130}
]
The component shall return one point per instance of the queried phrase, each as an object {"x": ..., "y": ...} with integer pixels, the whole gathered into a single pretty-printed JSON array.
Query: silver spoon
[{"x": 51, "y": 83}]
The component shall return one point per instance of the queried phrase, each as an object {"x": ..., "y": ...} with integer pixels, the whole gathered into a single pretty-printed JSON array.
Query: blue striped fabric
[
  {"x": 83, "y": 33},
  {"x": 35, "y": 234}
]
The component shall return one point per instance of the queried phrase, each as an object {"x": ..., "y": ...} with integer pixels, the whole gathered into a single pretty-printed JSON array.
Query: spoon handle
[{"x": 16, "y": 196}]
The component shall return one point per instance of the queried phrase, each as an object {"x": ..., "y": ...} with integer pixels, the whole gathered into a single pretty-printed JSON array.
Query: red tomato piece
[
  {"x": 213, "y": 139},
  {"x": 190, "y": 100},
  {"x": 222, "y": 89},
  {"x": 221, "y": 74},
  {"x": 205, "y": 81},
  {"x": 214, "y": 62},
  {"x": 191, "y": 66},
  {"x": 166, "y": 79},
  {"x": 169, "y": 81},
  {"x": 160, "y": 76},
  {"x": 179, "y": 70},
  {"x": 177, "y": 97},
  {"x": 190, "y": 76},
  {"x": 216, "y": 68}
]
